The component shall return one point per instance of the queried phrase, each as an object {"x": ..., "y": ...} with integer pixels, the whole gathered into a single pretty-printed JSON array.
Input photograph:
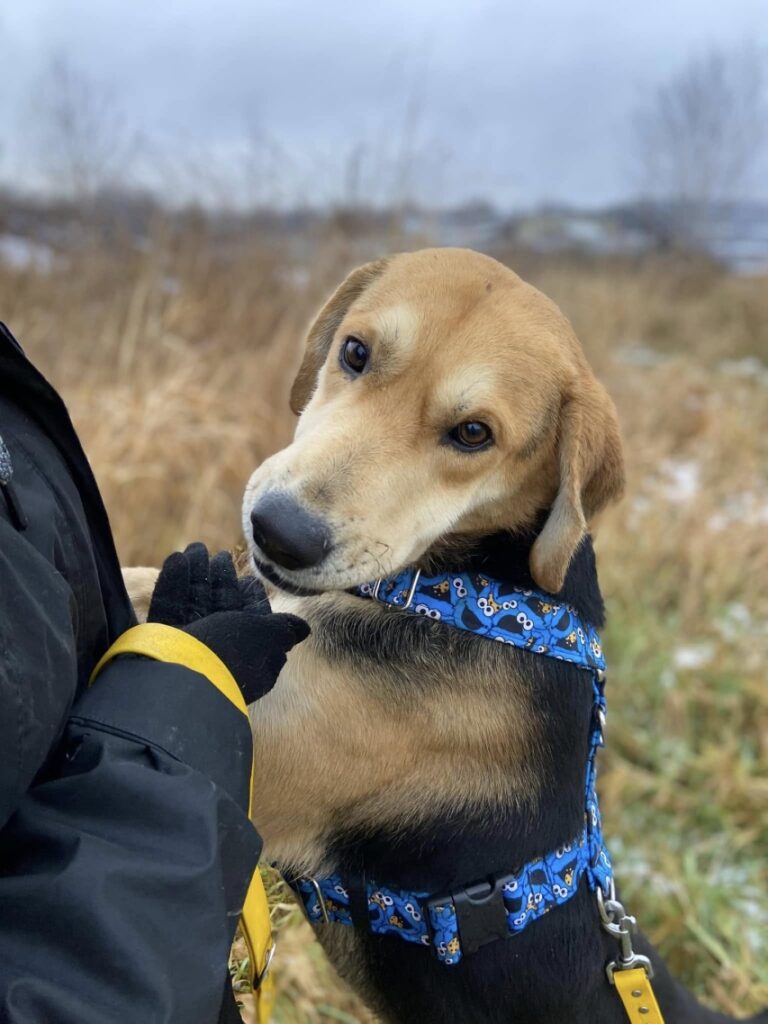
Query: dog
[{"x": 449, "y": 422}]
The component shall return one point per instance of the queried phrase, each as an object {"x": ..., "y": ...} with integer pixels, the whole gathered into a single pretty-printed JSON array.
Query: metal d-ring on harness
[
  {"x": 324, "y": 915},
  {"x": 408, "y": 597}
]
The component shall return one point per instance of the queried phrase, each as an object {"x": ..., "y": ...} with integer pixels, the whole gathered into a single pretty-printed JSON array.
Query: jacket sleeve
[{"x": 124, "y": 868}]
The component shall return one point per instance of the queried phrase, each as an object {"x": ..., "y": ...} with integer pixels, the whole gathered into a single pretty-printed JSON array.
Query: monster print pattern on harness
[{"x": 536, "y": 622}]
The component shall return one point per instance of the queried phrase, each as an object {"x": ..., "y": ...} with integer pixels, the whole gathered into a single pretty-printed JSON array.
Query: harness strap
[
  {"x": 529, "y": 619},
  {"x": 459, "y": 922}
]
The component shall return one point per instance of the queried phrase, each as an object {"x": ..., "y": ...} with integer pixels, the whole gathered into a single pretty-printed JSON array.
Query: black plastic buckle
[{"x": 480, "y": 912}]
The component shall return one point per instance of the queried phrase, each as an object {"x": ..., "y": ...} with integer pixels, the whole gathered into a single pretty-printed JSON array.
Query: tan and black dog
[{"x": 448, "y": 419}]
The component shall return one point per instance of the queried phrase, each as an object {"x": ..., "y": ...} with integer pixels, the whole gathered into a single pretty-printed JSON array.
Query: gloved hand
[{"x": 205, "y": 598}]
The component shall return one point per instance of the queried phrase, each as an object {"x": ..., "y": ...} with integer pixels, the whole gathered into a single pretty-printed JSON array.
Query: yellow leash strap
[
  {"x": 636, "y": 993},
  {"x": 166, "y": 643},
  {"x": 257, "y": 932}
]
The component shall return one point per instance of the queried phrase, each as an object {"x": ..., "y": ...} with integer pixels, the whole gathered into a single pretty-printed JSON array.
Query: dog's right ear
[
  {"x": 591, "y": 477},
  {"x": 325, "y": 326}
]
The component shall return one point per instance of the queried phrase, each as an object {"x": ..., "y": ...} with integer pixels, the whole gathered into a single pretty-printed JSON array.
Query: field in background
[{"x": 176, "y": 359}]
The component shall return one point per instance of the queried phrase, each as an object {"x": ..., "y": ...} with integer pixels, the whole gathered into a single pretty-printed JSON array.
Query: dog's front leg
[{"x": 140, "y": 582}]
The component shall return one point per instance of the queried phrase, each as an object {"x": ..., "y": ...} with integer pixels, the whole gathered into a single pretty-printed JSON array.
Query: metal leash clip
[{"x": 622, "y": 926}]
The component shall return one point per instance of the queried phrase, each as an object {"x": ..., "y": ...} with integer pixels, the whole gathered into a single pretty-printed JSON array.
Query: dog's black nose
[{"x": 287, "y": 534}]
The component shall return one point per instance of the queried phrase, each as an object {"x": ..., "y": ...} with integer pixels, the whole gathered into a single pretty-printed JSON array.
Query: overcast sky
[{"x": 517, "y": 102}]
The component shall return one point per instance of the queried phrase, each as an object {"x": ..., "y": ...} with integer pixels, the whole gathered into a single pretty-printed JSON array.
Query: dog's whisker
[{"x": 381, "y": 571}]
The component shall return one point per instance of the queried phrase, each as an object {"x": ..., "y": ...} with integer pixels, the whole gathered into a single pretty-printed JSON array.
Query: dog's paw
[{"x": 140, "y": 582}]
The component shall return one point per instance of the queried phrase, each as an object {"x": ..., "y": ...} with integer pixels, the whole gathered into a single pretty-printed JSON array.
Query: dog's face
[{"x": 439, "y": 396}]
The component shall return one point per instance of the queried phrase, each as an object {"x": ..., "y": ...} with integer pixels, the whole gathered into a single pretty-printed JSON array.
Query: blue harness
[{"x": 461, "y": 921}]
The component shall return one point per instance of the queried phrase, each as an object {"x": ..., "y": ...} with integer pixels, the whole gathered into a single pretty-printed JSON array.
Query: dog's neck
[{"x": 506, "y": 556}]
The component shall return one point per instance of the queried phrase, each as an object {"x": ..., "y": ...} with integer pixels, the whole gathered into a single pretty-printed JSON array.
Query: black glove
[{"x": 205, "y": 598}]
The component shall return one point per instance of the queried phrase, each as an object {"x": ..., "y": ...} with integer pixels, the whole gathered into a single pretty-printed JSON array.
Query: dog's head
[{"x": 440, "y": 396}]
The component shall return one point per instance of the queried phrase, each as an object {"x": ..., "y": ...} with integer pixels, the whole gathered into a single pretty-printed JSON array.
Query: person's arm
[{"x": 123, "y": 872}]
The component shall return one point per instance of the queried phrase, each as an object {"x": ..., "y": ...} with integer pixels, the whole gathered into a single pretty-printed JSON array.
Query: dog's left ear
[
  {"x": 591, "y": 476},
  {"x": 325, "y": 326}
]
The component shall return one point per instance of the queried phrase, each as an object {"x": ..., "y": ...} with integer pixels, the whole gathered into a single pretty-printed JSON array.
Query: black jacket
[{"x": 125, "y": 846}]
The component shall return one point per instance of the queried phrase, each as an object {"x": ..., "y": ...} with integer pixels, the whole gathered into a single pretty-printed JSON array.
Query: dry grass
[{"x": 176, "y": 362}]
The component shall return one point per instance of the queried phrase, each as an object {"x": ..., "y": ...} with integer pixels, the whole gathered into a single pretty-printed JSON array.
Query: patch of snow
[
  {"x": 21, "y": 253},
  {"x": 693, "y": 655},
  {"x": 682, "y": 480},
  {"x": 636, "y": 867},
  {"x": 170, "y": 285},
  {"x": 638, "y": 507},
  {"x": 738, "y": 614},
  {"x": 296, "y": 277},
  {"x": 745, "y": 508},
  {"x": 749, "y": 366},
  {"x": 640, "y": 355},
  {"x": 667, "y": 679},
  {"x": 736, "y": 620}
]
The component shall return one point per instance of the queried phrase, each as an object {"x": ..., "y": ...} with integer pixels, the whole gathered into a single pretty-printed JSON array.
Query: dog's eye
[
  {"x": 471, "y": 435},
  {"x": 354, "y": 355}
]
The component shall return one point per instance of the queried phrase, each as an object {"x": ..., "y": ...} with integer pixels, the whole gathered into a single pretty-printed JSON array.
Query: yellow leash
[
  {"x": 165, "y": 643},
  {"x": 636, "y": 993},
  {"x": 256, "y": 927},
  {"x": 630, "y": 972}
]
